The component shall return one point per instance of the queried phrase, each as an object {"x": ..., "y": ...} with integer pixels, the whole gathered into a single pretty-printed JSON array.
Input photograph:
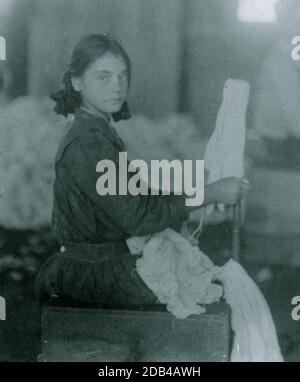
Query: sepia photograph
[{"x": 149, "y": 183}]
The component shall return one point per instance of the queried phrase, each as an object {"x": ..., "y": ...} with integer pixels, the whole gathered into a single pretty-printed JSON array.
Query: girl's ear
[{"x": 76, "y": 83}]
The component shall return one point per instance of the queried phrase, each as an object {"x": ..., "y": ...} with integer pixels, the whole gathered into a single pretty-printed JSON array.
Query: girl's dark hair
[{"x": 85, "y": 54}]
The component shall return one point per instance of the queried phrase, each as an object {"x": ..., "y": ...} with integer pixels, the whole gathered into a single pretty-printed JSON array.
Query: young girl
[{"x": 94, "y": 264}]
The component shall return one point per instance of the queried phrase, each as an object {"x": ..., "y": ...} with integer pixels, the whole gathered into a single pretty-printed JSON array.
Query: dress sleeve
[{"x": 135, "y": 215}]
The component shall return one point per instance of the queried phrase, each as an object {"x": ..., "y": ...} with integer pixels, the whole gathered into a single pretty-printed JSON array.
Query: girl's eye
[
  {"x": 103, "y": 77},
  {"x": 123, "y": 76}
]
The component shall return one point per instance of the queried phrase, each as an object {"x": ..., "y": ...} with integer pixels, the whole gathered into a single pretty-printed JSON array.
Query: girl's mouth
[{"x": 114, "y": 100}]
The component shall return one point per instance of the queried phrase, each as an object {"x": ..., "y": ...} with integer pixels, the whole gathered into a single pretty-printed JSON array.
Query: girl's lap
[{"x": 114, "y": 281}]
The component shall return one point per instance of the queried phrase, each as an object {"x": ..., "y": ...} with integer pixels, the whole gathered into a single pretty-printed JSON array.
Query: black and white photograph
[{"x": 149, "y": 183}]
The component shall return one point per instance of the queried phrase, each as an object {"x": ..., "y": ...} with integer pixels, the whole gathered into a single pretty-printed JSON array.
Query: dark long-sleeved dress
[{"x": 94, "y": 264}]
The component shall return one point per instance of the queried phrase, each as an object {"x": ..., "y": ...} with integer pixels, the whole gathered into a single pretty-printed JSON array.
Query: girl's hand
[{"x": 227, "y": 190}]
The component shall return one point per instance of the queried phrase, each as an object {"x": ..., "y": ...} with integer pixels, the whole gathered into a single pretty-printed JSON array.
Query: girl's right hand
[{"x": 226, "y": 191}]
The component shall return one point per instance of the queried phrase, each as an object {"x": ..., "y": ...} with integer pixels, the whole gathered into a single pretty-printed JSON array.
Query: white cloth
[
  {"x": 224, "y": 152},
  {"x": 183, "y": 278},
  {"x": 180, "y": 282},
  {"x": 251, "y": 320}
]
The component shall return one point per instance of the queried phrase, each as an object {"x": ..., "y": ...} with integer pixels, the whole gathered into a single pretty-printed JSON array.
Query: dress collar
[{"x": 85, "y": 111}]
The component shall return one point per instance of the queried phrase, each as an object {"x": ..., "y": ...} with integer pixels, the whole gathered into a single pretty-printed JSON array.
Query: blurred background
[{"x": 182, "y": 54}]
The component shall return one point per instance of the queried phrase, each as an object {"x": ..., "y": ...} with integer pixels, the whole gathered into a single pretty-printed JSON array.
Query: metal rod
[{"x": 236, "y": 231}]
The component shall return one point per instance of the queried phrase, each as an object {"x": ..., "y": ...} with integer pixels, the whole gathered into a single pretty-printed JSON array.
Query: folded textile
[{"x": 184, "y": 278}]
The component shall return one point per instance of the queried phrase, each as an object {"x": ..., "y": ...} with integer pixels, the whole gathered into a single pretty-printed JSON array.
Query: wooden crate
[{"x": 89, "y": 334}]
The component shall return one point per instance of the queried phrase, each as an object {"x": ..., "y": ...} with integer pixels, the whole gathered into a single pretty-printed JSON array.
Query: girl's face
[{"x": 104, "y": 85}]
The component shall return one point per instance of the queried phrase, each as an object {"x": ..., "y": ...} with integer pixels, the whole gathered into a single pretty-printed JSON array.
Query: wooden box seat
[{"x": 73, "y": 332}]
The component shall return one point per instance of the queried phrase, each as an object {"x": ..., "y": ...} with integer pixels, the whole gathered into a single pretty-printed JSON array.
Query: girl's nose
[{"x": 117, "y": 84}]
